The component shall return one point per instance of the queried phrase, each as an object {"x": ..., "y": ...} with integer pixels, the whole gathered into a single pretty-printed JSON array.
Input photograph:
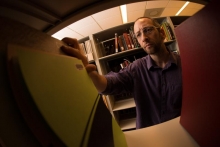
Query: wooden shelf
[
  {"x": 128, "y": 124},
  {"x": 128, "y": 52},
  {"x": 121, "y": 54},
  {"x": 124, "y": 104}
]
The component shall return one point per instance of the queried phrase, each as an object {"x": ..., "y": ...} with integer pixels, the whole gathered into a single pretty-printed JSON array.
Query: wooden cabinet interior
[{"x": 122, "y": 107}]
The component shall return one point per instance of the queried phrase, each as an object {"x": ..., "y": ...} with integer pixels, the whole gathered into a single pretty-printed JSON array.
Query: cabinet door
[{"x": 198, "y": 39}]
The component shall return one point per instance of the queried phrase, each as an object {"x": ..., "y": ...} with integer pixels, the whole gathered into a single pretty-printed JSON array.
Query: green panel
[
  {"x": 63, "y": 94},
  {"x": 118, "y": 135},
  {"x": 88, "y": 133}
]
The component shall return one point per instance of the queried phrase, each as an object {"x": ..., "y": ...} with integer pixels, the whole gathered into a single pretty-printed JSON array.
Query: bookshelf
[
  {"x": 87, "y": 48},
  {"x": 122, "y": 107}
]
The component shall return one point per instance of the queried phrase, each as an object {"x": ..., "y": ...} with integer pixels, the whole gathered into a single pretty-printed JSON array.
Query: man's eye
[
  {"x": 145, "y": 30},
  {"x": 138, "y": 35},
  {"x": 148, "y": 30}
]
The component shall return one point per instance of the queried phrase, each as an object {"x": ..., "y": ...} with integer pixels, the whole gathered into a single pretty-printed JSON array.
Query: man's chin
[{"x": 148, "y": 51}]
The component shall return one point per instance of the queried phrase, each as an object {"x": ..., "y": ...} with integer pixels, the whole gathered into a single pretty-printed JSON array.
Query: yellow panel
[{"x": 63, "y": 94}]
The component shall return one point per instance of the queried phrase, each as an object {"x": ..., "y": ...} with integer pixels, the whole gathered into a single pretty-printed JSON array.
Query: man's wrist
[{"x": 91, "y": 68}]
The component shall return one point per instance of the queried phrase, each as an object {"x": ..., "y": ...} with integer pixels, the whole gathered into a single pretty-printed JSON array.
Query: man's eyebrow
[{"x": 137, "y": 32}]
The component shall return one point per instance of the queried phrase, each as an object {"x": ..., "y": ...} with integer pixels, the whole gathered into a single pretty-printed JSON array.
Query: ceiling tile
[
  {"x": 155, "y": 12},
  {"x": 66, "y": 32},
  {"x": 89, "y": 29},
  {"x": 194, "y": 6},
  {"x": 110, "y": 22},
  {"x": 107, "y": 13},
  {"x": 188, "y": 12},
  {"x": 169, "y": 12},
  {"x": 176, "y": 4},
  {"x": 156, "y": 4},
  {"x": 82, "y": 23},
  {"x": 132, "y": 16},
  {"x": 112, "y": 17},
  {"x": 135, "y": 6}
]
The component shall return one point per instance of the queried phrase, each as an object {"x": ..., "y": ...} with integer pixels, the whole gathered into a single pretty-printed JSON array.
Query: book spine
[
  {"x": 88, "y": 46},
  {"x": 170, "y": 31},
  {"x": 130, "y": 40},
  {"x": 165, "y": 30},
  {"x": 82, "y": 48},
  {"x": 125, "y": 35},
  {"x": 124, "y": 43},
  {"x": 165, "y": 39},
  {"x": 133, "y": 39},
  {"x": 120, "y": 43},
  {"x": 116, "y": 42},
  {"x": 136, "y": 44},
  {"x": 89, "y": 50}
]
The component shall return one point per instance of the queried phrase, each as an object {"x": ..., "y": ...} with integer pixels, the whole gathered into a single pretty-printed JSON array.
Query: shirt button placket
[{"x": 163, "y": 94}]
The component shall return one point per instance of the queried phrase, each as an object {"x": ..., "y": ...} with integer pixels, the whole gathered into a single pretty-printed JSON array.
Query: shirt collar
[
  {"x": 172, "y": 61},
  {"x": 150, "y": 62}
]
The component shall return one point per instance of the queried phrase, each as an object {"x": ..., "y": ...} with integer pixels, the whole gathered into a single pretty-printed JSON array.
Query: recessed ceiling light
[
  {"x": 153, "y": 13},
  {"x": 124, "y": 13},
  {"x": 183, "y": 7}
]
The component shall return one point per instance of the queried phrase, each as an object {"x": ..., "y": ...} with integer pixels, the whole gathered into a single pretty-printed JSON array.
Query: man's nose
[{"x": 144, "y": 37}]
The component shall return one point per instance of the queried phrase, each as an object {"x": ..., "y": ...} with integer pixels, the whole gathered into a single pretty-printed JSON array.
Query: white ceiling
[{"x": 112, "y": 17}]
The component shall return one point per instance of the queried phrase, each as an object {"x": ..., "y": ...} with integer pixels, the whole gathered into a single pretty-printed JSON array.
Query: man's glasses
[{"x": 145, "y": 31}]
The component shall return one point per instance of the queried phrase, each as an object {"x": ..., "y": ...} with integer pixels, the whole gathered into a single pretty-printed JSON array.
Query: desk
[{"x": 167, "y": 134}]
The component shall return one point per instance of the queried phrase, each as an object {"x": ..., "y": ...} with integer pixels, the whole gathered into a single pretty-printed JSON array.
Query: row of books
[
  {"x": 168, "y": 31},
  {"x": 125, "y": 63},
  {"x": 122, "y": 42},
  {"x": 127, "y": 40},
  {"x": 86, "y": 49},
  {"x": 117, "y": 65}
]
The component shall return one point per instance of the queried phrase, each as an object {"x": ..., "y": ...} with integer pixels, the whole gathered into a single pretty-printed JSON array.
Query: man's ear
[{"x": 162, "y": 33}]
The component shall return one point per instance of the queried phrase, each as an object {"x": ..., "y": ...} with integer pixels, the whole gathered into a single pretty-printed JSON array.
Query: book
[
  {"x": 125, "y": 35},
  {"x": 124, "y": 42},
  {"x": 116, "y": 43},
  {"x": 130, "y": 40},
  {"x": 172, "y": 36},
  {"x": 89, "y": 51},
  {"x": 125, "y": 63},
  {"x": 120, "y": 42},
  {"x": 58, "y": 94},
  {"x": 166, "y": 31},
  {"x": 131, "y": 32},
  {"x": 82, "y": 48}
]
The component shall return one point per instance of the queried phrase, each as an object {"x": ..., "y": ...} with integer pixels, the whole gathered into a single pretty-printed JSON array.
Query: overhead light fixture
[
  {"x": 153, "y": 13},
  {"x": 182, "y": 8},
  {"x": 124, "y": 13}
]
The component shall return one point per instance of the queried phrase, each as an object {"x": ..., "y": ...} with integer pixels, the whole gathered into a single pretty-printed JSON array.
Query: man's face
[{"x": 148, "y": 35}]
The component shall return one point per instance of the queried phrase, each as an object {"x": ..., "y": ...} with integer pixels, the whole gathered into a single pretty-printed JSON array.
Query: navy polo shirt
[{"x": 157, "y": 92}]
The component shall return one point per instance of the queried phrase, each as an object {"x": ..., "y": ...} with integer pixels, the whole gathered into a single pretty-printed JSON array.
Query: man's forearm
[{"x": 99, "y": 81}]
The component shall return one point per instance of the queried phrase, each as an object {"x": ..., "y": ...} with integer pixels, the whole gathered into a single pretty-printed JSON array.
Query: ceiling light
[
  {"x": 182, "y": 8},
  {"x": 124, "y": 13},
  {"x": 153, "y": 13}
]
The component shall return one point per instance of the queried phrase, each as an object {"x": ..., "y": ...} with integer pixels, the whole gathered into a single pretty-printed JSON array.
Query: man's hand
[{"x": 73, "y": 50}]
